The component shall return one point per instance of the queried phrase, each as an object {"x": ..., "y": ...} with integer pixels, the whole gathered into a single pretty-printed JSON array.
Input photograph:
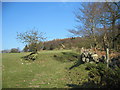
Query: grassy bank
[{"x": 50, "y": 70}]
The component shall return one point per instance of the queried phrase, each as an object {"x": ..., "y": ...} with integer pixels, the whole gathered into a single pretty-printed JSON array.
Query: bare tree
[
  {"x": 109, "y": 19},
  {"x": 31, "y": 37},
  {"x": 99, "y": 19},
  {"x": 88, "y": 17}
]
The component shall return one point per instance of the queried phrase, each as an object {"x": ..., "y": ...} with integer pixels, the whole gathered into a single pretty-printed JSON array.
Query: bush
[
  {"x": 111, "y": 78},
  {"x": 31, "y": 56},
  {"x": 102, "y": 76},
  {"x": 14, "y": 50},
  {"x": 89, "y": 66}
]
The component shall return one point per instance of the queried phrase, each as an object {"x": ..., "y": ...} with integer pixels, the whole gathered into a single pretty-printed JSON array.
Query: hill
[
  {"x": 66, "y": 43},
  {"x": 47, "y": 71}
]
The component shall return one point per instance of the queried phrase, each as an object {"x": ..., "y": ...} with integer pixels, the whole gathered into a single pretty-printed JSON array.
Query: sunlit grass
[{"x": 45, "y": 72}]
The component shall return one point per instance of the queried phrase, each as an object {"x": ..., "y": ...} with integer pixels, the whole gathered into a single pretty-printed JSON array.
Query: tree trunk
[
  {"x": 106, "y": 47},
  {"x": 113, "y": 32},
  {"x": 94, "y": 38},
  {"x": 107, "y": 57}
]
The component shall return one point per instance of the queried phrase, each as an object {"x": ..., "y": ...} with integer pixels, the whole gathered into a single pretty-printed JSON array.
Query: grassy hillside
[{"x": 50, "y": 70}]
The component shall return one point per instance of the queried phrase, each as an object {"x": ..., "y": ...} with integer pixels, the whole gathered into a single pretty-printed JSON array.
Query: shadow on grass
[
  {"x": 84, "y": 85},
  {"x": 73, "y": 85},
  {"x": 66, "y": 57},
  {"x": 70, "y": 54},
  {"x": 79, "y": 62},
  {"x": 69, "y": 57}
]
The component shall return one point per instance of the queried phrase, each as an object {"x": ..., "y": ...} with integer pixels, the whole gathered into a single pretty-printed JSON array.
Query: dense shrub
[
  {"x": 102, "y": 76},
  {"x": 14, "y": 50},
  {"x": 89, "y": 66}
]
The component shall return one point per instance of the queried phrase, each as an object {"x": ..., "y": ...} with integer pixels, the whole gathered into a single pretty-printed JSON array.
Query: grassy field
[{"x": 50, "y": 70}]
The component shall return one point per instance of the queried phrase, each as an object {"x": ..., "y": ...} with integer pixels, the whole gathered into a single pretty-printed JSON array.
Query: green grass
[
  {"x": 0, "y": 71},
  {"x": 45, "y": 72}
]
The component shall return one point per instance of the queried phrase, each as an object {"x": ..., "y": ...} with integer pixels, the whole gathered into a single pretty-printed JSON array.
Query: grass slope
[{"x": 45, "y": 72}]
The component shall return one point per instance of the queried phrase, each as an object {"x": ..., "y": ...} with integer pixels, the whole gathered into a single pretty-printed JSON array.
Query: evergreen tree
[{"x": 26, "y": 48}]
